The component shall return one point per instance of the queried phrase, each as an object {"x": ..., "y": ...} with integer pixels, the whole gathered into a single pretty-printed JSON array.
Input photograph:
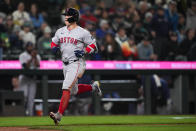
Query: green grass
[{"x": 106, "y": 123}]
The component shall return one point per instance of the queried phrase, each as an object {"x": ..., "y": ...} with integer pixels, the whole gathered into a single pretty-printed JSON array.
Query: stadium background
[{"x": 121, "y": 28}]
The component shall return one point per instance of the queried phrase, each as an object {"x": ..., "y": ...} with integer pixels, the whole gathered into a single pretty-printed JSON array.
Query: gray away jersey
[{"x": 69, "y": 41}]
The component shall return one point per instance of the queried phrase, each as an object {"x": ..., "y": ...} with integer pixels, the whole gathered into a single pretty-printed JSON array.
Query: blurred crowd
[{"x": 157, "y": 30}]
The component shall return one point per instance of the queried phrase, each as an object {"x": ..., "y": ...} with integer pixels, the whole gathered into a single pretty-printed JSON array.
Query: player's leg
[
  {"x": 95, "y": 87},
  {"x": 84, "y": 88},
  {"x": 62, "y": 107},
  {"x": 23, "y": 86},
  {"x": 70, "y": 74},
  {"x": 64, "y": 101},
  {"x": 31, "y": 95}
]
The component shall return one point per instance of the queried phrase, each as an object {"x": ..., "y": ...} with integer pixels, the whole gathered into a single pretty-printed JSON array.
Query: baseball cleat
[
  {"x": 97, "y": 89},
  {"x": 54, "y": 117}
]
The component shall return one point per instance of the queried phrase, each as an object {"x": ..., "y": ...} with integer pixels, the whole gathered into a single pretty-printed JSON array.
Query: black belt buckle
[{"x": 66, "y": 62}]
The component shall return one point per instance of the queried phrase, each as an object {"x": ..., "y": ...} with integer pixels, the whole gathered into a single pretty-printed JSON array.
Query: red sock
[
  {"x": 64, "y": 101},
  {"x": 84, "y": 88}
]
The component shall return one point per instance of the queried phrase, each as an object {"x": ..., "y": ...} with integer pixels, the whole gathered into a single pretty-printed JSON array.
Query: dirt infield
[
  {"x": 21, "y": 129},
  {"x": 129, "y": 124},
  {"x": 67, "y": 125}
]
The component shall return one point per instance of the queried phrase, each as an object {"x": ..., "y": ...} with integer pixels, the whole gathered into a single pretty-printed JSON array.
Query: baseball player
[
  {"x": 73, "y": 42},
  {"x": 29, "y": 59}
]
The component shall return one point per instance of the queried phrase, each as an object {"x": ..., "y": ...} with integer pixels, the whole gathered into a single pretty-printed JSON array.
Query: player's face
[
  {"x": 66, "y": 20},
  {"x": 29, "y": 48}
]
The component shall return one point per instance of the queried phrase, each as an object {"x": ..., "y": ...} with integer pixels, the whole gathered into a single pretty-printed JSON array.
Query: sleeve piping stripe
[
  {"x": 92, "y": 46},
  {"x": 53, "y": 45},
  {"x": 88, "y": 49}
]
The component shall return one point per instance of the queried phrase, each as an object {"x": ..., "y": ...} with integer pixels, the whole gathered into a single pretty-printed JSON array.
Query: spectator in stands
[
  {"x": 136, "y": 17},
  {"x": 2, "y": 32},
  {"x": 128, "y": 20},
  {"x": 181, "y": 22},
  {"x": 6, "y": 7},
  {"x": 1, "y": 48},
  {"x": 36, "y": 17},
  {"x": 191, "y": 16},
  {"x": 90, "y": 27},
  {"x": 147, "y": 22},
  {"x": 157, "y": 4},
  {"x": 2, "y": 20},
  {"x": 143, "y": 8},
  {"x": 121, "y": 36},
  {"x": 172, "y": 46},
  {"x": 29, "y": 59},
  {"x": 40, "y": 31},
  {"x": 172, "y": 15},
  {"x": 139, "y": 31},
  {"x": 98, "y": 12},
  {"x": 117, "y": 22},
  {"x": 145, "y": 50},
  {"x": 16, "y": 42},
  {"x": 181, "y": 28},
  {"x": 186, "y": 45},
  {"x": 110, "y": 50},
  {"x": 159, "y": 24},
  {"x": 43, "y": 44},
  {"x": 72, "y": 3},
  {"x": 160, "y": 47},
  {"x": 192, "y": 53},
  {"x": 88, "y": 17},
  {"x": 159, "y": 33},
  {"x": 9, "y": 25},
  {"x": 105, "y": 15},
  {"x": 103, "y": 30},
  {"x": 129, "y": 49},
  {"x": 26, "y": 34},
  {"x": 120, "y": 10},
  {"x": 20, "y": 16},
  {"x": 84, "y": 7}
]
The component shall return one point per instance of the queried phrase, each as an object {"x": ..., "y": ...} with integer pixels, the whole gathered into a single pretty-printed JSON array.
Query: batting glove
[{"x": 79, "y": 53}]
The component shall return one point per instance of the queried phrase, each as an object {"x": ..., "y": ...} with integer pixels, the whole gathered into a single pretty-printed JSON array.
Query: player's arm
[
  {"x": 54, "y": 43},
  {"x": 90, "y": 45},
  {"x": 37, "y": 62},
  {"x": 90, "y": 48},
  {"x": 90, "y": 42},
  {"x": 54, "y": 47},
  {"x": 25, "y": 64},
  {"x": 35, "y": 58}
]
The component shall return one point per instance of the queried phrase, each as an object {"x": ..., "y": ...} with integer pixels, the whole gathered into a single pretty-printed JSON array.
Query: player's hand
[
  {"x": 34, "y": 53},
  {"x": 79, "y": 53},
  {"x": 55, "y": 49}
]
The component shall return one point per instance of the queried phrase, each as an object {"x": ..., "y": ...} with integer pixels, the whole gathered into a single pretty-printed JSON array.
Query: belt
[{"x": 69, "y": 62}]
